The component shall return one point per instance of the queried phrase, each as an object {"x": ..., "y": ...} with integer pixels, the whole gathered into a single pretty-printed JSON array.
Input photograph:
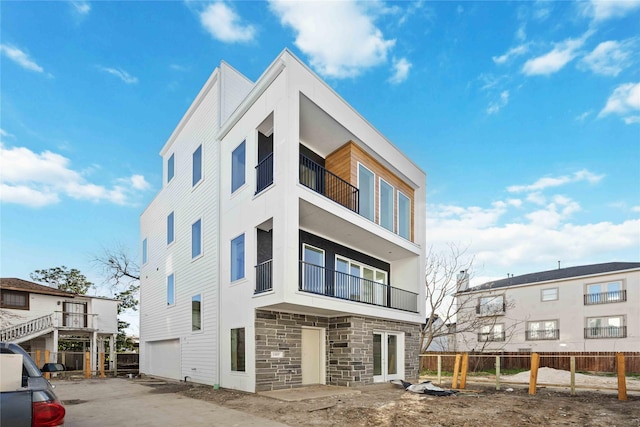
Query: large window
[
  {"x": 237, "y": 258},
  {"x": 197, "y": 166},
  {"x": 170, "y": 229},
  {"x": 490, "y": 306},
  {"x": 386, "y": 205},
  {"x": 313, "y": 277},
  {"x": 15, "y": 299},
  {"x": 550, "y": 294},
  {"x": 366, "y": 185},
  {"x": 404, "y": 216},
  {"x": 171, "y": 289},
  {"x": 196, "y": 312},
  {"x": 604, "y": 293},
  {"x": 196, "y": 238},
  {"x": 492, "y": 333},
  {"x": 170, "y": 167},
  {"x": 359, "y": 282},
  {"x": 238, "y": 165},
  {"x": 144, "y": 251},
  {"x": 605, "y": 327},
  {"x": 542, "y": 330},
  {"x": 237, "y": 350}
]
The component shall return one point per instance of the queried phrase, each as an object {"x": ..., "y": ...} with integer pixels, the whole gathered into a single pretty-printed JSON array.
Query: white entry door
[
  {"x": 312, "y": 364},
  {"x": 388, "y": 360}
]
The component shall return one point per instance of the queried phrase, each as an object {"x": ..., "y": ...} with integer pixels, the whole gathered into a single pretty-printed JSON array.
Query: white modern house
[
  {"x": 37, "y": 317},
  {"x": 589, "y": 308},
  {"x": 287, "y": 245}
]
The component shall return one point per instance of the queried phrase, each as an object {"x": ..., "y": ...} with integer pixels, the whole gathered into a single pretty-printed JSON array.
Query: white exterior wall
[
  {"x": 105, "y": 315},
  {"x": 570, "y": 312},
  {"x": 39, "y": 305}
]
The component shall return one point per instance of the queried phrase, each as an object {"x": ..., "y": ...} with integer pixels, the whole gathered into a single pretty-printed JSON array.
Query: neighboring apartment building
[
  {"x": 587, "y": 308},
  {"x": 37, "y": 317},
  {"x": 287, "y": 245}
]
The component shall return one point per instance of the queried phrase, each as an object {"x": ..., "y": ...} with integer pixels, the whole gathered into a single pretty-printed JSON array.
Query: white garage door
[{"x": 164, "y": 358}]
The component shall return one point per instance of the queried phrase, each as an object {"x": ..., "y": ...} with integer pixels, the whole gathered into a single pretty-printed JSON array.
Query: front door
[
  {"x": 312, "y": 364},
  {"x": 388, "y": 362}
]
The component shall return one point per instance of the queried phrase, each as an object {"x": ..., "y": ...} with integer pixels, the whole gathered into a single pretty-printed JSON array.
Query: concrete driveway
[{"x": 124, "y": 402}]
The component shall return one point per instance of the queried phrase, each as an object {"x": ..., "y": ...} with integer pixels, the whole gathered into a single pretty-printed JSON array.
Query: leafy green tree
[{"x": 63, "y": 278}]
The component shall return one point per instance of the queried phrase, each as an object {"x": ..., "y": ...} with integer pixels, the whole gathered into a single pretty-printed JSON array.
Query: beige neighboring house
[
  {"x": 37, "y": 317},
  {"x": 588, "y": 308}
]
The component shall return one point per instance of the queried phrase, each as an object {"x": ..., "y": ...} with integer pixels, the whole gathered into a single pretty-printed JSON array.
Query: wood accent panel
[{"x": 344, "y": 163}]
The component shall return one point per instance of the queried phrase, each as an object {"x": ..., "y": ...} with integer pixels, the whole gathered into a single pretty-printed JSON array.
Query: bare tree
[{"x": 121, "y": 273}]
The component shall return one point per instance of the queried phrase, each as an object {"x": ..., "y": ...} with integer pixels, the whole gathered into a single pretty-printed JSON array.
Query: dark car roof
[{"x": 557, "y": 274}]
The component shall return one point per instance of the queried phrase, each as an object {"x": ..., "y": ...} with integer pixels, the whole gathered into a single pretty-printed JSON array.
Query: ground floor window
[
  {"x": 237, "y": 350},
  {"x": 196, "y": 312}
]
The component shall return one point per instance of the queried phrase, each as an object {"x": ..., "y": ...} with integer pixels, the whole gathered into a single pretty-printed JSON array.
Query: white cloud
[
  {"x": 339, "y": 37},
  {"x": 5, "y": 134},
  {"x": 635, "y": 209},
  {"x": 20, "y": 58},
  {"x": 601, "y": 10},
  {"x": 496, "y": 106},
  {"x": 121, "y": 74},
  {"x": 511, "y": 53},
  {"x": 624, "y": 101},
  {"x": 81, "y": 7},
  {"x": 225, "y": 25},
  {"x": 548, "y": 182},
  {"x": 401, "y": 69},
  {"x": 556, "y": 59},
  {"x": 582, "y": 117},
  {"x": 37, "y": 180},
  {"x": 521, "y": 34},
  {"x": 610, "y": 58},
  {"x": 631, "y": 120}
]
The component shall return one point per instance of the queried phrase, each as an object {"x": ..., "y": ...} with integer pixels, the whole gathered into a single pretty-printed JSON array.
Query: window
[
  {"x": 196, "y": 312},
  {"x": 492, "y": 333},
  {"x": 237, "y": 258},
  {"x": 359, "y": 282},
  {"x": 196, "y": 238},
  {"x": 313, "y": 275},
  {"x": 367, "y": 192},
  {"x": 604, "y": 293},
  {"x": 605, "y": 327},
  {"x": 144, "y": 251},
  {"x": 490, "y": 306},
  {"x": 170, "y": 235},
  {"x": 15, "y": 299},
  {"x": 542, "y": 330},
  {"x": 404, "y": 216},
  {"x": 386, "y": 205},
  {"x": 238, "y": 167},
  {"x": 170, "y": 168},
  {"x": 171, "y": 289},
  {"x": 237, "y": 350},
  {"x": 197, "y": 166},
  {"x": 550, "y": 294}
]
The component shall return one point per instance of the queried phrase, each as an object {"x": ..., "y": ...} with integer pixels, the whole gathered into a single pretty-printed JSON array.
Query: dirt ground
[{"x": 479, "y": 406}]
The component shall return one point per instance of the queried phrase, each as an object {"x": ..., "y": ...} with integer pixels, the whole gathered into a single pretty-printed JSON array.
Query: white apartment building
[
  {"x": 287, "y": 245},
  {"x": 589, "y": 308}
]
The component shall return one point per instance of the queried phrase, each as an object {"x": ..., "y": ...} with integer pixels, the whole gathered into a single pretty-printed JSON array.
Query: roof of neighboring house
[
  {"x": 557, "y": 274},
  {"x": 11, "y": 283}
]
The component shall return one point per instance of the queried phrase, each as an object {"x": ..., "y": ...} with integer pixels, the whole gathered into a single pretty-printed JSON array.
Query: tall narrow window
[
  {"x": 404, "y": 216},
  {"x": 313, "y": 280},
  {"x": 171, "y": 289},
  {"x": 237, "y": 258},
  {"x": 196, "y": 312},
  {"x": 386, "y": 205},
  {"x": 196, "y": 238},
  {"x": 366, "y": 185},
  {"x": 197, "y": 166},
  {"x": 237, "y": 349},
  {"x": 170, "y": 167},
  {"x": 238, "y": 167},
  {"x": 144, "y": 251},
  {"x": 170, "y": 235}
]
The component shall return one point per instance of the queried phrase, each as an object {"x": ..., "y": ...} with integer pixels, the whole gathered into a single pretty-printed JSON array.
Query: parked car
[{"x": 27, "y": 399}]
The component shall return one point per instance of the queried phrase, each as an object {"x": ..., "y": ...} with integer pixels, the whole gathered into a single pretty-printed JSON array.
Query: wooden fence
[{"x": 604, "y": 362}]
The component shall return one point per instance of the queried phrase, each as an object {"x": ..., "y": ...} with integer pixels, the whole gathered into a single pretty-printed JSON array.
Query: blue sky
[{"x": 524, "y": 115}]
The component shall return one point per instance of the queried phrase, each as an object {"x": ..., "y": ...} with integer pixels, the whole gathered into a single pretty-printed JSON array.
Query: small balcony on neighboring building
[
  {"x": 605, "y": 297},
  {"x": 605, "y": 332}
]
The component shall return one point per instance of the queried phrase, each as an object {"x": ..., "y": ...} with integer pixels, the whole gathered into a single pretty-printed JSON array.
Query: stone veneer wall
[{"x": 349, "y": 346}]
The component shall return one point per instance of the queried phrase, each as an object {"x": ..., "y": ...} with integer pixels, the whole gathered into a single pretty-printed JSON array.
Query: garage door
[{"x": 164, "y": 358}]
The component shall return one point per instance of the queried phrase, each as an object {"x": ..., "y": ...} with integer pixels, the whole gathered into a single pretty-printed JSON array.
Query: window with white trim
[
  {"x": 549, "y": 294},
  {"x": 605, "y": 327},
  {"x": 170, "y": 228},
  {"x": 604, "y": 293},
  {"x": 313, "y": 279},
  {"x": 196, "y": 174},
  {"x": 386, "y": 205},
  {"x": 171, "y": 289},
  {"x": 542, "y": 330},
  {"x": 196, "y": 312},
  {"x": 490, "y": 305},
  {"x": 170, "y": 167},
  {"x": 366, "y": 187},
  {"x": 238, "y": 166},
  {"x": 196, "y": 239},
  {"x": 237, "y": 350},
  {"x": 493, "y": 332},
  {"x": 404, "y": 216},
  {"x": 144, "y": 251},
  {"x": 359, "y": 282},
  {"x": 237, "y": 258}
]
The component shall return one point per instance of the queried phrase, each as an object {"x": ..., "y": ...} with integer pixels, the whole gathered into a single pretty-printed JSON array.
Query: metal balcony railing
[
  {"x": 605, "y": 297},
  {"x": 605, "y": 332},
  {"x": 264, "y": 277},
  {"x": 323, "y": 281},
  {"x": 264, "y": 173},
  {"x": 491, "y": 336},
  {"x": 542, "y": 334},
  {"x": 320, "y": 180}
]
